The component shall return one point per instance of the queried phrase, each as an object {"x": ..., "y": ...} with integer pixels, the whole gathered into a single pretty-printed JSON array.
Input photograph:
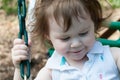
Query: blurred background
[{"x": 9, "y": 31}]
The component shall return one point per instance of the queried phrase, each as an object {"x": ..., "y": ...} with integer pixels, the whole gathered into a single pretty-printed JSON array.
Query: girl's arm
[
  {"x": 17, "y": 74},
  {"x": 116, "y": 55},
  {"x": 44, "y": 74}
]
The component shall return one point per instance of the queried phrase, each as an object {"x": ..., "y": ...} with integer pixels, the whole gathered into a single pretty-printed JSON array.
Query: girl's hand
[{"x": 20, "y": 52}]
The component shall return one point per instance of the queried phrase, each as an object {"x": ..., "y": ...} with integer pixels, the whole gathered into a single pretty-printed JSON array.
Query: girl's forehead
[
  {"x": 80, "y": 18},
  {"x": 80, "y": 23},
  {"x": 76, "y": 28}
]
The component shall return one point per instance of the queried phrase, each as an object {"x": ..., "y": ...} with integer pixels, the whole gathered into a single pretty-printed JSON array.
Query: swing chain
[{"x": 23, "y": 32}]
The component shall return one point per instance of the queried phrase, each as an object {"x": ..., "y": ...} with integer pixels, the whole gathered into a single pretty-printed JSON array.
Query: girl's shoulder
[
  {"x": 116, "y": 55},
  {"x": 44, "y": 74}
]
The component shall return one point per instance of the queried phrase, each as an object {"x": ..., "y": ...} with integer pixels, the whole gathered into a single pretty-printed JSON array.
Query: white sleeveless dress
[{"x": 100, "y": 66}]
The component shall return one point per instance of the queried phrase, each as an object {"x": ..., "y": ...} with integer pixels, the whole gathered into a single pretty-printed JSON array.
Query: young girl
[{"x": 70, "y": 26}]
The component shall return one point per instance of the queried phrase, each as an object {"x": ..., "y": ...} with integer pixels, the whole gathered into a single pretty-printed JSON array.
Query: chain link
[{"x": 23, "y": 33}]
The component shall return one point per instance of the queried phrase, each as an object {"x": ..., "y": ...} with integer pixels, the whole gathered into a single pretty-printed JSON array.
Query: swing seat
[{"x": 111, "y": 43}]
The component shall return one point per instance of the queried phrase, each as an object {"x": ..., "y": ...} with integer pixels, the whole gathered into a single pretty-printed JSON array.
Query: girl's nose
[{"x": 76, "y": 43}]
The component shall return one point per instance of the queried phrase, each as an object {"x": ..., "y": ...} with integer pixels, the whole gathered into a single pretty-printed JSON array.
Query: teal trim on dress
[{"x": 63, "y": 60}]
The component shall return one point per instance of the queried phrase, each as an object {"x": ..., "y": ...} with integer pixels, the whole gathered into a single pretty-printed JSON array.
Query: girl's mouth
[{"x": 75, "y": 51}]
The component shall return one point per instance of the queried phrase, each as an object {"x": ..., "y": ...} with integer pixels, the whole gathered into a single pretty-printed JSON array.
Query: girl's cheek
[
  {"x": 61, "y": 49},
  {"x": 90, "y": 43}
]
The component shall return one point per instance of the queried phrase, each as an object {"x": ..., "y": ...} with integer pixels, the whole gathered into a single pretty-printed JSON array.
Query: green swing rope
[
  {"x": 112, "y": 43},
  {"x": 23, "y": 33}
]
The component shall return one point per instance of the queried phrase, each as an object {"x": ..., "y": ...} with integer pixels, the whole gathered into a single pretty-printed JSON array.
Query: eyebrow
[{"x": 85, "y": 29}]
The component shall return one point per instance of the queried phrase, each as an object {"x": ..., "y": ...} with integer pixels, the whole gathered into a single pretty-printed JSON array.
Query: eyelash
[
  {"x": 65, "y": 39},
  {"x": 83, "y": 34}
]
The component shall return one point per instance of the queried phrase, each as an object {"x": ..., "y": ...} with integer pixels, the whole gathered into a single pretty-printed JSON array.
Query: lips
[{"x": 75, "y": 51}]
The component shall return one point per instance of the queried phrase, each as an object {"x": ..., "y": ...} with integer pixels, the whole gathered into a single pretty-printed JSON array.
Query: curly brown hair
[{"x": 66, "y": 9}]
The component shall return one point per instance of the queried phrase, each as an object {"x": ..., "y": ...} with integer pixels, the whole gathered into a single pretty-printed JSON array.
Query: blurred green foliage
[
  {"x": 115, "y": 3},
  {"x": 9, "y": 6}
]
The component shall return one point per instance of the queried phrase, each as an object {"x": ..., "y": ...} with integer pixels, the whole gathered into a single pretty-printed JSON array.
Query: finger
[
  {"x": 18, "y": 59},
  {"x": 20, "y": 52},
  {"x": 20, "y": 47},
  {"x": 18, "y": 41}
]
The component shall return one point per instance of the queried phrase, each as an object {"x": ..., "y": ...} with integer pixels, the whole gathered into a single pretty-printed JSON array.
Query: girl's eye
[
  {"x": 83, "y": 34},
  {"x": 65, "y": 39}
]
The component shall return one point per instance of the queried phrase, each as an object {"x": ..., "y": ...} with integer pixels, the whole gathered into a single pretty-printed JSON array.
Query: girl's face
[{"x": 76, "y": 42}]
